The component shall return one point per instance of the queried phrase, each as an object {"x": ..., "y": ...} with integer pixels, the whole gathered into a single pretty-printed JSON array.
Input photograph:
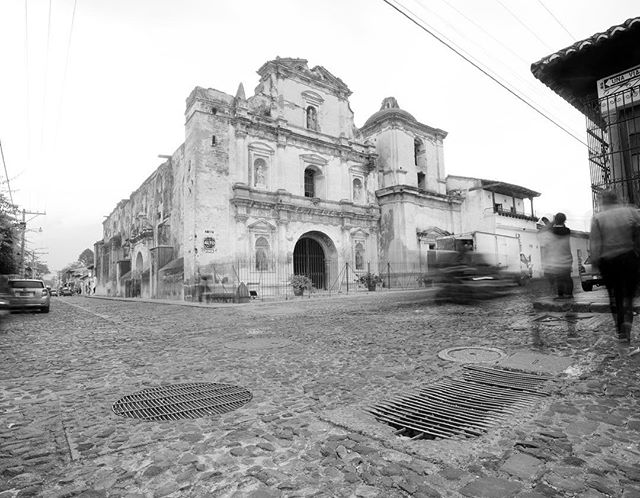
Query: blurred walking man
[{"x": 614, "y": 252}]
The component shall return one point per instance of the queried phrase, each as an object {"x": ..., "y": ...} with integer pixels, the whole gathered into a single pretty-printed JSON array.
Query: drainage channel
[{"x": 461, "y": 408}]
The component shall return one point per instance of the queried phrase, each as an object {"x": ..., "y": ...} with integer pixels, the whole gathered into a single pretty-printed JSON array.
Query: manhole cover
[
  {"x": 462, "y": 408},
  {"x": 471, "y": 354},
  {"x": 258, "y": 343},
  {"x": 179, "y": 401}
]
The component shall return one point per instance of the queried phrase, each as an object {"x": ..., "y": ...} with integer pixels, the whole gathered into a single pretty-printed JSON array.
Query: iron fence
[{"x": 269, "y": 278}]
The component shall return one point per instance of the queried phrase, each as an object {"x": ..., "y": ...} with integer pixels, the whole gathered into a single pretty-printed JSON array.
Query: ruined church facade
[{"x": 281, "y": 179}]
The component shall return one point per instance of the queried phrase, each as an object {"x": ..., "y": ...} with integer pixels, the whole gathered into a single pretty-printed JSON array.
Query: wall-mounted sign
[
  {"x": 620, "y": 89},
  {"x": 209, "y": 244}
]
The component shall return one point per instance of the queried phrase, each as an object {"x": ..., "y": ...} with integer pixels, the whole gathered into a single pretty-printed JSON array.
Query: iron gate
[{"x": 308, "y": 259}]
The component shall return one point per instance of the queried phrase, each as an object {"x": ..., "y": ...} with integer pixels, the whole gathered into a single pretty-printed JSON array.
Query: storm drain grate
[
  {"x": 463, "y": 408},
  {"x": 180, "y": 401}
]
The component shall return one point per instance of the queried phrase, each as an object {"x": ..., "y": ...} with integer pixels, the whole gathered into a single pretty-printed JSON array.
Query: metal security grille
[
  {"x": 462, "y": 408},
  {"x": 613, "y": 135},
  {"x": 180, "y": 401}
]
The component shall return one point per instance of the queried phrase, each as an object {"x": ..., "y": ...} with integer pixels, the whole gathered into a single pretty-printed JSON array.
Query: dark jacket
[{"x": 556, "y": 252}]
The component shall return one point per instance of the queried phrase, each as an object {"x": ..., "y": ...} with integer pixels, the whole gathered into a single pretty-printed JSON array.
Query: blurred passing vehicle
[
  {"x": 466, "y": 278},
  {"x": 589, "y": 276},
  {"x": 28, "y": 293},
  {"x": 4, "y": 310}
]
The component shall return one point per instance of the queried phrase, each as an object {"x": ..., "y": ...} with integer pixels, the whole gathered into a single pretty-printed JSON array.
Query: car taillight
[{"x": 44, "y": 292}]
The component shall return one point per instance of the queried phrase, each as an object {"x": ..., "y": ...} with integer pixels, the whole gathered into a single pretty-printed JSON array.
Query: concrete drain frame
[
  {"x": 182, "y": 401},
  {"x": 471, "y": 354},
  {"x": 461, "y": 408}
]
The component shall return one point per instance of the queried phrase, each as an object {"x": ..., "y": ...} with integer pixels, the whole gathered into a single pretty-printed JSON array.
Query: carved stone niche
[
  {"x": 164, "y": 234},
  {"x": 260, "y": 165}
]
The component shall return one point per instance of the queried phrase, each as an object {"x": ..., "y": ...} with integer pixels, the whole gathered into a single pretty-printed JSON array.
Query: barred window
[{"x": 309, "y": 183}]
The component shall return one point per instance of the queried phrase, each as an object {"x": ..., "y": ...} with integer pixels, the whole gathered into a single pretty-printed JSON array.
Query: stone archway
[
  {"x": 315, "y": 255},
  {"x": 137, "y": 281}
]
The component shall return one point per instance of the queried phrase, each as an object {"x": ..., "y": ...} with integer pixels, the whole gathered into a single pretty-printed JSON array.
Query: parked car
[
  {"x": 28, "y": 293},
  {"x": 589, "y": 277},
  {"x": 53, "y": 292},
  {"x": 66, "y": 291}
]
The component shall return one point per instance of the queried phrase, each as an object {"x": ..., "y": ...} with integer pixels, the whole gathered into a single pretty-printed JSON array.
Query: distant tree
[
  {"x": 41, "y": 268},
  {"x": 9, "y": 237},
  {"x": 86, "y": 257}
]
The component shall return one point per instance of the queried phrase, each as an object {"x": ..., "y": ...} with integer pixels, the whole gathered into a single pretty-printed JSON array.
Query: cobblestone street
[{"x": 313, "y": 366}]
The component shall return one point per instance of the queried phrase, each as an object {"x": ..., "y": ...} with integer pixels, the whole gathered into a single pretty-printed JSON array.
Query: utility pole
[{"x": 23, "y": 225}]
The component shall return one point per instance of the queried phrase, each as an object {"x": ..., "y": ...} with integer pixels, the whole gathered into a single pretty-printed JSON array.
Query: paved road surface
[{"x": 312, "y": 366}]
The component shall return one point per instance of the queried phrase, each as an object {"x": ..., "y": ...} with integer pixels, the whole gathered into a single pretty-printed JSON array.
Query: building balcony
[{"x": 513, "y": 214}]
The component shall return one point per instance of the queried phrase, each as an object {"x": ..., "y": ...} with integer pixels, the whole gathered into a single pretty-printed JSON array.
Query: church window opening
[
  {"x": 357, "y": 190},
  {"x": 259, "y": 172},
  {"x": 312, "y": 118},
  {"x": 422, "y": 181},
  {"x": 213, "y": 140},
  {"x": 309, "y": 182},
  {"x": 262, "y": 254},
  {"x": 359, "y": 256},
  {"x": 417, "y": 149}
]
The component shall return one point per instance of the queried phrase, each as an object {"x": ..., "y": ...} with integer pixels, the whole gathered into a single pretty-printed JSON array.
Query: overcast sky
[{"x": 87, "y": 106}]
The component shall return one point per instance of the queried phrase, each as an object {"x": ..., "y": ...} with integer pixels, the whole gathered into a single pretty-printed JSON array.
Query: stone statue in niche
[
  {"x": 259, "y": 178},
  {"x": 312, "y": 118},
  {"x": 357, "y": 190},
  {"x": 359, "y": 260}
]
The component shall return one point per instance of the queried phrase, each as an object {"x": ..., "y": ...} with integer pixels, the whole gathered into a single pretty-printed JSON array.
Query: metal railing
[
  {"x": 613, "y": 136},
  {"x": 270, "y": 278}
]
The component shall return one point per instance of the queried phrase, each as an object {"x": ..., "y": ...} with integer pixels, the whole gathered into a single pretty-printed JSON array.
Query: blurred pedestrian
[
  {"x": 614, "y": 251},
  {"x": 557, "y": 259}
]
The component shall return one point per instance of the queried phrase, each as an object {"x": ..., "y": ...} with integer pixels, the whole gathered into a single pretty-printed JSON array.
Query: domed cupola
[{"x": 389, "y": 109}]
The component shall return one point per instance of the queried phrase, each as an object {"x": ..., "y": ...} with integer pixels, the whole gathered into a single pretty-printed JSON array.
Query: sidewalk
[{"x": 596, "y": 301}]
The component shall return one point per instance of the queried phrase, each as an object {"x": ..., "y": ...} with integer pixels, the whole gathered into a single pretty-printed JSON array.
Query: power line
[
  {"x": 531, "y": 89},
  {"x": 486, "y": 73},
  {"x": 46, "y": 71},
  {"x": 525, "y": 25},
  {"x": 509, "y": 49},
  {"x": 6, "y": 174},
  {"x": 557, "y": 20},
  {"x": 26, "y": 68},
  {"x": 66, "y": 67}
]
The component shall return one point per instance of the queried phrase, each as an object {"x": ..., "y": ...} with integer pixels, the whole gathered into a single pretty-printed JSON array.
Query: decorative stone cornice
[
  {"x": 144, "y": 234},
  {"x": 326, "y": 144},
  {"x": 400, "y": 121},
  {"x": 283, "y": 208},
  {"x": 410, "y": 191},
  {"x": 297, "y": 69}
]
